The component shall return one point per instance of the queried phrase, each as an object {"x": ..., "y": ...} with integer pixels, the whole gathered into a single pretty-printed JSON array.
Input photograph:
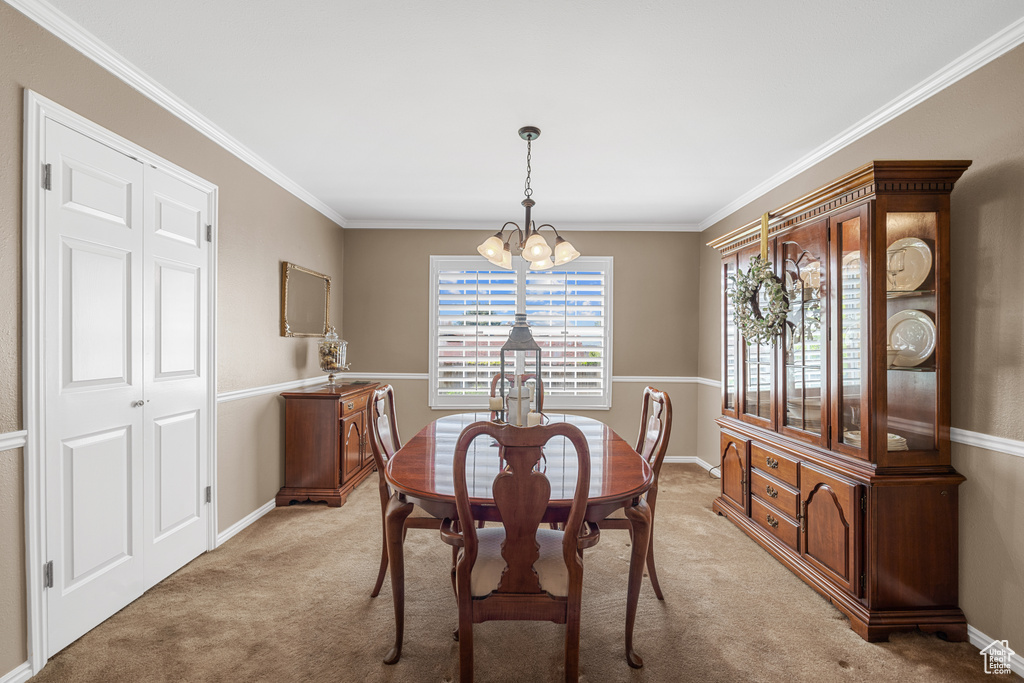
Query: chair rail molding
[
  {"x": 12, "y": 440},
  {"x": 62, "y": 26}
]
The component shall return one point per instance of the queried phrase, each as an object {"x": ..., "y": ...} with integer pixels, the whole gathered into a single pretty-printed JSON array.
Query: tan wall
[
  {"x": 387, "y": 297},
  {"x": 978, "y": 118},
  {"x": 387, "y": 314},
  {"x": 13, "y": 630},
  {"x": 260, "y": 225}
]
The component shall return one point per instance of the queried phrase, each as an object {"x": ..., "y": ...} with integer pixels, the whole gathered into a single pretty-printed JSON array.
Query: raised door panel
[
  {"x": 734, "y": 470},
  {"x": 351, "y": 446},
  {"x": 832, "y": 526}
]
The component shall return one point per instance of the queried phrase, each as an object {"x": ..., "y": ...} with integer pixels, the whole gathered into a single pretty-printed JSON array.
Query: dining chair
[
  {"x": 523, "y": 379},
  {"x": 519, "y": 571},
  {"x": 651, "y": 444},
  {"x": 385, "y": 442}
]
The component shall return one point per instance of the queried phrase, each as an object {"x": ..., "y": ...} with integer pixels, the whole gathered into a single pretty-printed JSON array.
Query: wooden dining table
[{"x": 421, "y": 474}]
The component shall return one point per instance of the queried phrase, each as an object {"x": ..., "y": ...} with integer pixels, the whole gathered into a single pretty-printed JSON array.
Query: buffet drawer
[
  {"x": 775, "y": 492},
  {"x": 782, "y": 467},
  {"x": 355, "y": 404},
  {"x": 775, "y": 523}
]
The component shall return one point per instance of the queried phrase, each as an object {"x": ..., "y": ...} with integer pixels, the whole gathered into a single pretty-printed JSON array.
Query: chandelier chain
[{"x": 529, "y": 155}]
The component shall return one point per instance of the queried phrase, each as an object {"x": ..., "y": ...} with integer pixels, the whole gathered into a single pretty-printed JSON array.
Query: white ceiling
[{"x": 652, "y": 112}]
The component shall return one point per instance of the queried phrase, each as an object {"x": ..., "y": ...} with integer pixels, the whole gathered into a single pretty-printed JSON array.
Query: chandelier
[{"x": 528, "y": 242}]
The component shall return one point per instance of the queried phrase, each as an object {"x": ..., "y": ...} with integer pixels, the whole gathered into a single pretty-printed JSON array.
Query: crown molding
[
  {"x": 972, "y": 60},
  {"x": 60, "y": 25},
  {"x": 493, "y": 226}
]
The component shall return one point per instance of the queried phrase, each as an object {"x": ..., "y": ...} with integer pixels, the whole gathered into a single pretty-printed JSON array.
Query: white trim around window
[{"x": 583, "y": 309}]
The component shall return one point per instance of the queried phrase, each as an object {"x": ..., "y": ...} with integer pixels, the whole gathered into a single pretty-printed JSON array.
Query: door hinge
[
  {"x": 863, "y": 583},
  {"x": 48, "y": 574},
  {"x": 47, "y": 172},
  {"x": 209, "y": 494},
  {"x": 864, "y": 502},
  {"x": 209, "y": 233}
]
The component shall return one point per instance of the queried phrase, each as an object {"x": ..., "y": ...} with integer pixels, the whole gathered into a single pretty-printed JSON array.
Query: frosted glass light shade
[
  {"x": 536, "y": 249},
  {"x": 506, "y": 258},
  {"x": 564, "y": 251},
  {"x": 491, "y": 249},
  {"x": 542, "y": 264}
]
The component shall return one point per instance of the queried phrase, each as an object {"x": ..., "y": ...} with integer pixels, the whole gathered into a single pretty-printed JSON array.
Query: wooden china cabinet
[
  {"x": 835, "y": 440},
  {"x": 327, "y": 446}
]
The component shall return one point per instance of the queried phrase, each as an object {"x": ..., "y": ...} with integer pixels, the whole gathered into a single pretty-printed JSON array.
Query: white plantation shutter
[
  {"x": 473, "y": 305},
  {"x": 569, "y": 309}
]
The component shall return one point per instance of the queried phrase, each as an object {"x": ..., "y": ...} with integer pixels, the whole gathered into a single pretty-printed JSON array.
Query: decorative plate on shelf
[
  {"x": 914, "y": 334},
  {"x": 908, "y": 261}
]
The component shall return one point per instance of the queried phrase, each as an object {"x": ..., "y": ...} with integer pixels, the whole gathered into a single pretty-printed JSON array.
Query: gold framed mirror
[{"x": 305, "y": 302}]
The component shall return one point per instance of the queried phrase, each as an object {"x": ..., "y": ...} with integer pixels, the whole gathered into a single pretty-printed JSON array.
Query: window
[{"x": 569, "y": 308}]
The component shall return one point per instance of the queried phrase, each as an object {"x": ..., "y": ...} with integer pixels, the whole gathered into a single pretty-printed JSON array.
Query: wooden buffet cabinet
[
  {"x": 327, "y": 447},
  {"x": 834, "y": 460}
]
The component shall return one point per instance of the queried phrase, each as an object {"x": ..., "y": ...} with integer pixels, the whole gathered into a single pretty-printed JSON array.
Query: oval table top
[{"x": 423, "y": 468}]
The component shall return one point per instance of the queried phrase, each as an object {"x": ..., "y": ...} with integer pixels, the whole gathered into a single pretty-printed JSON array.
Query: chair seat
[{"x": 551, "y": 570}]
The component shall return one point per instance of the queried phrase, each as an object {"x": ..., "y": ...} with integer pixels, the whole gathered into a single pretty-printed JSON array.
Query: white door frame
[{"x": 37, "y": 110}]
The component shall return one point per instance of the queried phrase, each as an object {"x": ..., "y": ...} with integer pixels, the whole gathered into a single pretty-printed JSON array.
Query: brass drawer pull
[
  {"x": 772, "y": 493},
  {"x": 772, "y": 522},
  {"x": 350, "y": 405},
  {"x": 771, "y": 462}
]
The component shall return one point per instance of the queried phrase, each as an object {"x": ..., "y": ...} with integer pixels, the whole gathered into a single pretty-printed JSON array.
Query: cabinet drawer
[
  {"x": 775, "y": 492},
  {"x": 353, "y": 404},
  {"x": 782, "y": 467},
  {"x": 775, "y": 523}
]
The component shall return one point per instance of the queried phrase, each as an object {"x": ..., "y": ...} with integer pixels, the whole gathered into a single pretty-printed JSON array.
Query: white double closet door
[{"x": 125, "y": 313}]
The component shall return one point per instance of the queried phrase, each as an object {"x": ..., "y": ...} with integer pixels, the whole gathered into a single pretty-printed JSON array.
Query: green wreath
[{"x": 759, "y": 326}]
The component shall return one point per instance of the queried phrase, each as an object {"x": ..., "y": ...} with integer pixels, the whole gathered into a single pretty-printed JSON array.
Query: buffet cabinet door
[
  {"x": 351, "y": 445},
  {"x": 830, "y": 518},
  {"x": 734, "y": 470}
]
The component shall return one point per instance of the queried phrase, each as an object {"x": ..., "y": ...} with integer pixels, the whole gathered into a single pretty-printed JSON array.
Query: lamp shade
[
  {"x": 564, "y": 251},
  {"x": 542, "y": 264},
  {"x": 491, "y": 249},
  {"x": 536, "y": 248},
  {"x": 506, "y": 258}
]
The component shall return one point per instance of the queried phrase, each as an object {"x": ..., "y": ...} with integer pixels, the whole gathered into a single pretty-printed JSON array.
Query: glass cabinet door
[
  {"x": 912, "y": 339},
  {"x": 730, "y": 369},
  {"x": 803, "y": 254},
  {"x": 850, "y": 342},
  {"x": 756, "y": 399}
]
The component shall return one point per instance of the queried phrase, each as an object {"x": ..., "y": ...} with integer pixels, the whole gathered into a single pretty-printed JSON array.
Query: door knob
[{"x": 138, "y": 404}]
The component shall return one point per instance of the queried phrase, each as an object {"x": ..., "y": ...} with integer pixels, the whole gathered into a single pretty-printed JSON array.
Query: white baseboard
[
  {"x": 692, "y": 460},
  {"x": 18, "y": 674},
  {"x": 981, "y": 641},
  {"x": 241, "y": 524}
]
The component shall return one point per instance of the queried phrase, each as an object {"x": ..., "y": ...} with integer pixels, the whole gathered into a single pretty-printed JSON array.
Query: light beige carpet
[{"x": 288, "y": 600}]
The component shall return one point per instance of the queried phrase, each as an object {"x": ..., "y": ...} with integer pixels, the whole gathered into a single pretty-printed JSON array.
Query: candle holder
[{"x": 520, "y": 341}]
